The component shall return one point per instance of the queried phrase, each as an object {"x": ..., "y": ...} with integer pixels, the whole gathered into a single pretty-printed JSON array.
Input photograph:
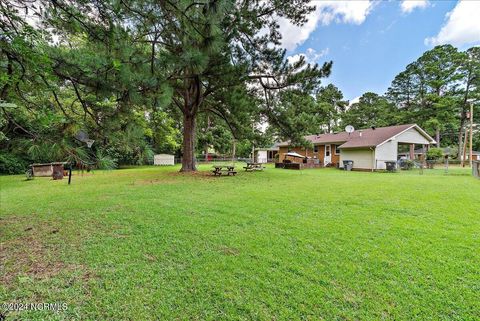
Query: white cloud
[
  {"x": 410, "y": 5},
  {"x": 311, "y": 55},
  {"x": 462, "y": 26},
  {"x": 326, "y": 12}
]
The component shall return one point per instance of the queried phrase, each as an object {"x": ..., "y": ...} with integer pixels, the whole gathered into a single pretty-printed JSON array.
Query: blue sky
[{"x": 372, "y": 41}]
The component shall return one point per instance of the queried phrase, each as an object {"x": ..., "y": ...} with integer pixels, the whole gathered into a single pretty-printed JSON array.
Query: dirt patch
[
  {"x": 150, "y": 257},
  {"x": 33, "y": 253},
  {"x": 199, "y": 174},
  {"x": 229, "y": 250},
  {"x": 154, "y": 181},
  {"x": 172, "y": 178}
]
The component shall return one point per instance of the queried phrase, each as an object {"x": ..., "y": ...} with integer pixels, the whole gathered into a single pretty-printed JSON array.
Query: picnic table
[
  {"x": 253, "y": 167},
  {"x": 228, "y": 170}
]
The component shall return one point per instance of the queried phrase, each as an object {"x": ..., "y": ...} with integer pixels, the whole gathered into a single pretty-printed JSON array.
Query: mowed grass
[{"x": 152, "y": 244}]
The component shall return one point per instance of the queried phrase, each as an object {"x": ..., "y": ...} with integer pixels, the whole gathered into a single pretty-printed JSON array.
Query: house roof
[
  {"x": 374, "y": 137},
  {"x": 370, "y": 137}
]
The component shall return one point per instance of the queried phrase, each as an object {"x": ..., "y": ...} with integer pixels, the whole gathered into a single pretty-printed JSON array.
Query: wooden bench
[{"x": 227, "y": 170}]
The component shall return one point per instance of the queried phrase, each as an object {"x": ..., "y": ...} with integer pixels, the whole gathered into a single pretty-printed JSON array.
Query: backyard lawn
[{"x": 151, "y": 243}]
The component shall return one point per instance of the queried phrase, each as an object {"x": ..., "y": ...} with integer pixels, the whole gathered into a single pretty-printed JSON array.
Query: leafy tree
[
  {"x": 215, "y": 56},
  {"x": 330, "y": 102},
  {"x": 371, "y": 110},
  {"x": 295, "y": 115},
  {"x": 469, "y": 91},
  {"x": 212, "y": 50},
  {"x": 434, "y": 153},
  {"x": 93, "y": 80},
  {"x": 435, "y": 90}
]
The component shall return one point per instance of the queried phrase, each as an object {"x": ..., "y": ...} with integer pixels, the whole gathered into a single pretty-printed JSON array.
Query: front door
[{"x": 328, "y": 155}]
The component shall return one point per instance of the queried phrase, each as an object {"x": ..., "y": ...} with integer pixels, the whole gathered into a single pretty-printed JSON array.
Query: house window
[
  {"x": 337, "y": 150},
  {"x": 327, "y": 150},
  {"x": 315, "y": 149}
]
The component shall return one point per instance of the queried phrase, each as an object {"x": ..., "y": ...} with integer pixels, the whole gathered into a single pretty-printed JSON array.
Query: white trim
[
  {"x": 325, "y": 154},
  {"x": 418, "y": 128},
  {"x": 329, "y": 150}
]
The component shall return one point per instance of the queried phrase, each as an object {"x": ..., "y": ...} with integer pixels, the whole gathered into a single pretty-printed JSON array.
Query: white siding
[
  {"x": 262, "y": 156},
  {"x": 362, "y": 158},
  {"x": 164, "y": 159},
  {"x": 386, "y": 152},
  {"x": 412, "y": 136}
]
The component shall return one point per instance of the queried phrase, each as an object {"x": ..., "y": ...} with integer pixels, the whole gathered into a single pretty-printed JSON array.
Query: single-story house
[
  {"x": 369, "y": 149},
  {"x": 475, "y": 155},
  {"x": 266, "y": 154}
]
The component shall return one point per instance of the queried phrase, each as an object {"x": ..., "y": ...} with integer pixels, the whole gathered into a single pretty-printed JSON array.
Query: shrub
[
  {"x": 12, "y": 164},
  {"x": 407, "y": 164},
  {"x": 105, "y": 161},
  {"x": 434, "y": 154}
]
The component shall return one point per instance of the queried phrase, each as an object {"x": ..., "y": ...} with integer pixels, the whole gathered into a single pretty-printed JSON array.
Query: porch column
[
  {"x": 412, "y": 151},
  {"x": 424, "y": 154}
]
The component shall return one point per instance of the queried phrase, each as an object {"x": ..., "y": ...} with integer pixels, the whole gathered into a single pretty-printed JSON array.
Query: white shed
[
  {"x": 262, "y": 156},
  {"x": 164, "y": 159}
]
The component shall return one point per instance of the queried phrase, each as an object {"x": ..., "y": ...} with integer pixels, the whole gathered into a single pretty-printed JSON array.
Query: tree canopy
[
  {"x": 146, "y": 68},
  {"x": 180, "y": 76}
]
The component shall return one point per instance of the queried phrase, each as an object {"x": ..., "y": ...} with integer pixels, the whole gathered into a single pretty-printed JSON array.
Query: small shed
[
  {"x": 48, "y": 169},
  {"x": 265, "y": 155},
  {"x": 164, "y": 159}
]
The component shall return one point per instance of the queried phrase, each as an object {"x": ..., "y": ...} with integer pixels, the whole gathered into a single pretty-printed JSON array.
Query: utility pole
[{"x": 470, "y": 156}]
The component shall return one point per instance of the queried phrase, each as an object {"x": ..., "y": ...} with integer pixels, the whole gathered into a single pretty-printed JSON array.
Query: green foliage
[
  {"x": 331, "y": 107},
  {"x": 435, "y": 92},
  {"x": 371, "y": 110},
  {"x": 105, "y": 161},
  {"x": 129, "y": 147},
  {"x": 172, "y": 61},
  {"x": 295, "y": 116},
  {"x": 434, "y": 153},
  {"x": 407, "y": 164},
  {"x": 12, "y": 164}
]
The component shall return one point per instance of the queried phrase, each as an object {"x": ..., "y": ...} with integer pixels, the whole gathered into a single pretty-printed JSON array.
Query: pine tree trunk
[
  {"x": 188, "y": 157},
  {"x": 437, "y": 137}
]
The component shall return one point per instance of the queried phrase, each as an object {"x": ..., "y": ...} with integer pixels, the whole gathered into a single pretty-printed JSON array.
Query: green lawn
[{"x": 150, "y": 243}]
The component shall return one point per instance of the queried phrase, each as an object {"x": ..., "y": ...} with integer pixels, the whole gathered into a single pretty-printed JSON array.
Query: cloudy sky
[{"x": 372, "y": 41}]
